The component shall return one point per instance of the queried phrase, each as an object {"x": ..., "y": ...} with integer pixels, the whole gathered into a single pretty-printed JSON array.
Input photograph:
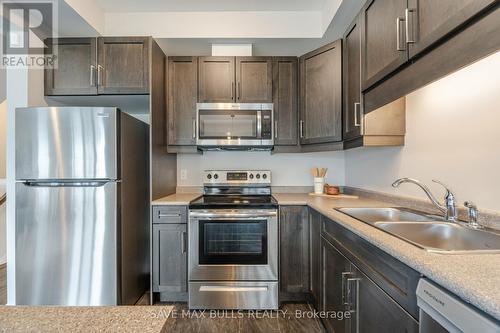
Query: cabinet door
[
  {"x": 383, "y": 39},
  {"x": 294, "y": 249},
  {"x": 169, "y": 258},
  {"x": 216, "y": 80},
  {"x": 374, "y": 311},
  {"x": 352, "y": 81},
  {"x": 75, "y": 73},
  {"x": 181, "y": 100},
  {"x": 334, "y": 268},
  {"x": 314, "y": 256},
  {"x": 430, "y": 20},
  {"x": 285, "y": 100},
  {"x": 123, "y": 65},
  {"x": 321, "y": 95},
  {"x": 254, "y": 79}
]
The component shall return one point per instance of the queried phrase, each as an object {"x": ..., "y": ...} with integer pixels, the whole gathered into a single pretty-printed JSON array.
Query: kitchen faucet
[{"x": 448, "y": 208}]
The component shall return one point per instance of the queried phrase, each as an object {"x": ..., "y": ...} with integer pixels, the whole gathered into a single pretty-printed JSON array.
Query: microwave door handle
[{"x": 259, "y": 124}]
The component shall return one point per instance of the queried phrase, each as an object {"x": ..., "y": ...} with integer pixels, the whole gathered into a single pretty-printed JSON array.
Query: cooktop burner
[{"x": 234, "y": 201}]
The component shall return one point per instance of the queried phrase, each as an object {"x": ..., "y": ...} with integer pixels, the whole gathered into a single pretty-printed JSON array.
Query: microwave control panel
[{"x": 267, "y": 125}]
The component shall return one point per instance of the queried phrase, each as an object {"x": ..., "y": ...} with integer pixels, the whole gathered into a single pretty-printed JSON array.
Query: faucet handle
[
  {"x": 473, "y": 213},
  {"x": 449, "y": 193}
]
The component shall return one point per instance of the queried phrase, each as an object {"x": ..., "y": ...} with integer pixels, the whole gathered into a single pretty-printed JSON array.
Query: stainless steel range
[{"x": 233, "y": 242}]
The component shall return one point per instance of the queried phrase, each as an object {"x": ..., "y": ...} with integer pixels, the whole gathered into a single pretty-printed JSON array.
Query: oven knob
[
  {"x": 216, "y": 176},
  {"x": 264, "y": 176},
  {"x": 251, "y": 176},
  {"x": 258, "y": 176},
  {"x": 209, "y": 176}
]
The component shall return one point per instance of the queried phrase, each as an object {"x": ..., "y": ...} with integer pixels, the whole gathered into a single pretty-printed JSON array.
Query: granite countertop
[
  {"x": 473, "y": 277},
  {"x": 146, "y": 319},
  {"x": 176, "y": 199}
]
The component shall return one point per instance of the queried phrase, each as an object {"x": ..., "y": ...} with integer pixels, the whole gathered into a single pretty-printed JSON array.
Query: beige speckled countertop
[
  {"x": 473, "y": 277},
  {"x": 144, "y": 319},
  {"x": 176, "y": 199}
]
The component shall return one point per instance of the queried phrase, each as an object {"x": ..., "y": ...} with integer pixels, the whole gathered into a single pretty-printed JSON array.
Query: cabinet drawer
[
  {"x": 170, "y": 214},
  {"x": 395, "y": 278}
]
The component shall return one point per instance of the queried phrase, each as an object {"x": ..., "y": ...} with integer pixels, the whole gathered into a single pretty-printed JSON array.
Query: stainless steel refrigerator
[{"x": 82, "y": 206}]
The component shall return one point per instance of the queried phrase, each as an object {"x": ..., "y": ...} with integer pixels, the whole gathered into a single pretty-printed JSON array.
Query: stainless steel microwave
[{"x": 234, "y": 125}]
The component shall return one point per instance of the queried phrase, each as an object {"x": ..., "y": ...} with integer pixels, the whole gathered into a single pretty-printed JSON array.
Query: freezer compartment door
[
  {"x": 67, "y": 143},
  {"x": 66, "y": 244}
]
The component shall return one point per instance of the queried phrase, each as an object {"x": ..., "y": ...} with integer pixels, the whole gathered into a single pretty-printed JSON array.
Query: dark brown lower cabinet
[
  {"x": 294, "y": 252},
  {"x": 334, "y": 268},
  {"x": 373, "y": 310},
  {"x": 366, "y": 307},
  {"x": 170, "y": 258},
  {"x": 314, "y": 255}
]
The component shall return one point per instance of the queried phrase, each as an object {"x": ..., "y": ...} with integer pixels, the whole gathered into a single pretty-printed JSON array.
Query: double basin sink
[{"x": 428, "y": 232}]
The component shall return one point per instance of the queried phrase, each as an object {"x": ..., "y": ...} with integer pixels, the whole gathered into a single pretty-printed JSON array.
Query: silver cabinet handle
[
  {"x": 233, "y": 87},
  {"x": 301, "y": 129},
  {"x": 194, "y": 128},
  {"x": 352, "y": 296},
  {"x": 409, "y": 39},
  {"x": 275, "y": 129},
  {"x": 357, "y": 114},
  {"x": 398, "y": 34},
  {"x": 168, "y": 215},
  {"x": 238, "y": 93},
  {"x": 344, "y": 288},
  {"x": 99, "y": 74},
  {"x": 92, "y": 78},
  {"x": 183, "y": 242}
]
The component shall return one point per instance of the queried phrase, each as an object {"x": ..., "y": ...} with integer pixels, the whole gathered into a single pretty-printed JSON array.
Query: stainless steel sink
[
  {"x": 443, "y": 236},
  {"x": 371, "y": 215},
  {"x": 428, "y": 232}
]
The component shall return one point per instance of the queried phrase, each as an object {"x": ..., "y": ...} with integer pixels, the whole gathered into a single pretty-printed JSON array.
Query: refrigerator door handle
[{"x": 90, "y": 183}]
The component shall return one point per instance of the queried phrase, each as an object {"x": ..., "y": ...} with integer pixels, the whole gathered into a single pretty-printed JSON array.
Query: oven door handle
[{"x": 232, "y": 216}]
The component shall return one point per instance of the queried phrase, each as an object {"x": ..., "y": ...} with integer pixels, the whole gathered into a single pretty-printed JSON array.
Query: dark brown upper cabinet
[
  {"x": 321, "y": 95},
  {"x": 438, "y": 51},
  {"x": 182, "y": 87},
  {"x": 76, "y": 70},
  {"x": 395, "y": 31},
  {"x": 351, "y": 62},
  {"x": 123, "y": 65},
  {"x": 216, "y": 80},
  {"x": 285, "y": 99},
  {"x": 104, "y": 65},
  {"x": 383, "y": 39},
  {"x": 235, "y": 79},
  {"x": 254, "y": 79},
  {"x": 428, "y": 21}
]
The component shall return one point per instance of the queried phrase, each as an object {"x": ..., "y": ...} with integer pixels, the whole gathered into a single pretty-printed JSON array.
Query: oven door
[
  {"x": 223, "y": 124},
  {"x": 233, "y": 245}
]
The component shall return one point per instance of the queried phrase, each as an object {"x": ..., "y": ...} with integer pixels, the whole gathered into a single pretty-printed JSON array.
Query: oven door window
[
  {"x": 228, "y": 125},
  {"x": 233, "y": 242}
]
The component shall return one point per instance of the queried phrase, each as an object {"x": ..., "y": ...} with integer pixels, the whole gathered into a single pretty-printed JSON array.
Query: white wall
[
  {"x": 222, "y": 24},
  {"x": 453, "y": 135},
  {"x": 287, "y": 169}
]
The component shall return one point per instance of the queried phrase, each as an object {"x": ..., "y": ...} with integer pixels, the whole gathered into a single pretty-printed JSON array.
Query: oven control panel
[{"x": 213, "y": 177}]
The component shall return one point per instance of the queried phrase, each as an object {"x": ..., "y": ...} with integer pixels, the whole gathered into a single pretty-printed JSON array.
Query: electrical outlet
[{"x": 184, "y": 174}]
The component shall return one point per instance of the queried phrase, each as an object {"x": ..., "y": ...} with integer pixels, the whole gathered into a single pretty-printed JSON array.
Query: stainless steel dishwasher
[{"x": 441, "y": 311}]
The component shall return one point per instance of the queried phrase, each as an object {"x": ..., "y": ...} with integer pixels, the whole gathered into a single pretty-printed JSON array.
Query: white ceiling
[{"x": 209, "y": 5}]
